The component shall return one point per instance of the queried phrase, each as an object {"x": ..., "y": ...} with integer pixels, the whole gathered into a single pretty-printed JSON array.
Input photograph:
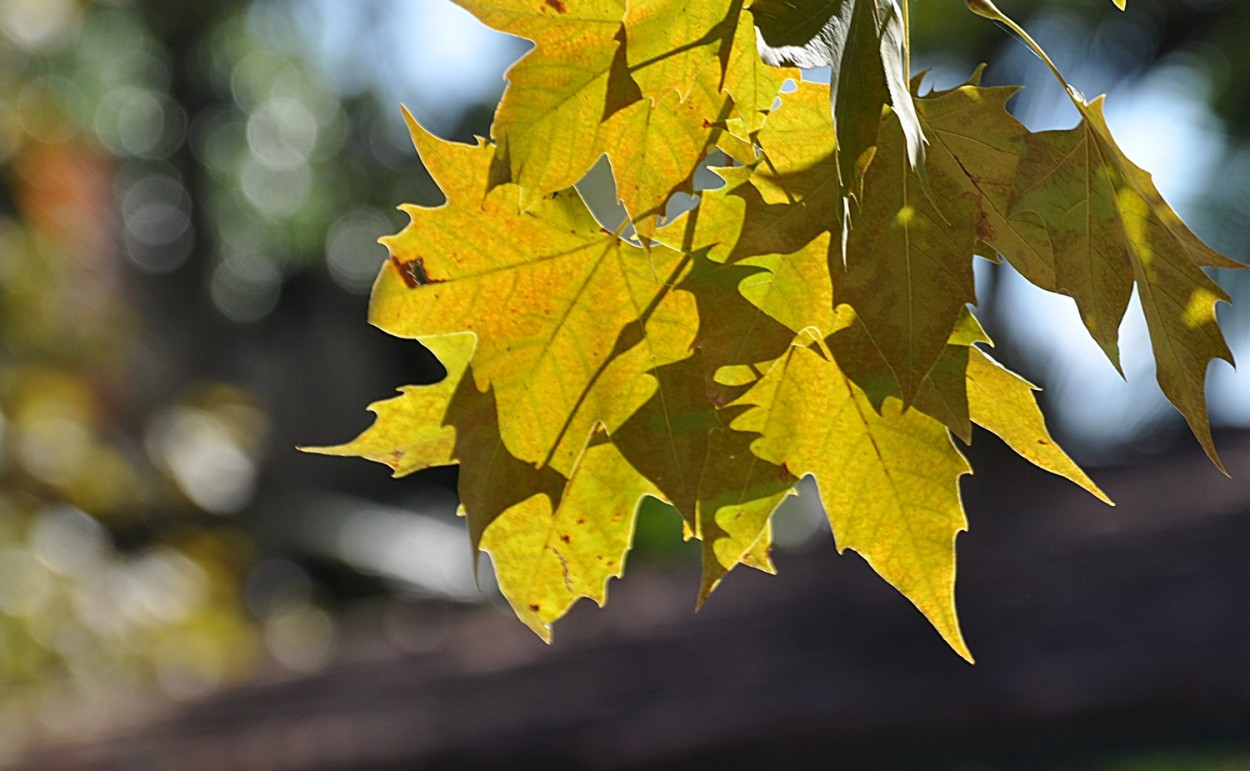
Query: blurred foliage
[{"x": 165, "y": 169}]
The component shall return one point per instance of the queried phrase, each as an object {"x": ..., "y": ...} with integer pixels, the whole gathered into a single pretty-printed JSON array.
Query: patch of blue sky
[{"x": 434, "y": 57}]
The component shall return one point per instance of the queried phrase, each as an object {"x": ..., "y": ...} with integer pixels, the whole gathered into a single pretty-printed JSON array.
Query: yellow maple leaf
[
  {"x": 550, "y": 296},
  {"x": 888, "y": 480}
]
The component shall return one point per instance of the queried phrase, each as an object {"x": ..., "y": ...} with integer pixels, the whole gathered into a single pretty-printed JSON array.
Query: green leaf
[
  {"x": 909, "y": 266},
  {"x": 970, "y": 126},
  {"x": 667, "y": 438},
  {"x": 738, "y": 493},
  {"x": 862, "y": 42},
  {"x": 680, "y": 439},
  {"x": 943, "y": 392},
  {"x": 1110, "y": 229}
]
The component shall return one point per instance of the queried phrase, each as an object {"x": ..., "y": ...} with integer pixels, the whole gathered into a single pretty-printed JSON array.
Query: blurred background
[{"x": 190, "y": 194}]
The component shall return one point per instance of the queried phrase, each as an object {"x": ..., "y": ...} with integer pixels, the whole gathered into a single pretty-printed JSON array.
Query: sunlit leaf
[
  {"x": 1110, "y": 229},
  {"x": 862, "y": 43},
  {"x": 1003, "y": 402},
  {"x": 908, "y": 263},
  {"x": 810, "y": 315},
  {"x": 411, "y": 430},
  {"x": 552, "y": 299},
  {"x": 546, "y": 560},
  {"x": 888, "y": 481}
]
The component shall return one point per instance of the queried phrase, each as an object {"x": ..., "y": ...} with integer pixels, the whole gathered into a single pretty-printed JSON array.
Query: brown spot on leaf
[
  {"x": 557, "y": 5},
  {"x": 985, "y": 229},
  {"x": 536, "y": 607},
  {"x": 566, "y": 538},
  {"x": 1043, "y": 441},
  {"x": 581, "y": 520},
  {"x": 412, "y": 272}
]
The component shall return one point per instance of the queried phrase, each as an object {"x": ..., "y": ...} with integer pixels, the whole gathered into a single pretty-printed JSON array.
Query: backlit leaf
[
  {"x": 1003, "y": 402},
  {"x": 738, "y": 493},
  {"x": 671, "y": 42},
  {"x": 908, "y": 265},
  {"x": 888, "y": 481},
  {"x": 411, "y": 432},
  {"x": 971, "y": 127},
  {"x": 667, "y": 140},
  {"x": 1110, "y": 229},
  {"x": 546, "y": 560},
  {"x": 547, "y": 125},
  {"x": 550, "y": 297},
  {"x": 862, "y": 42},
  {"x": 808, "y": 315}
]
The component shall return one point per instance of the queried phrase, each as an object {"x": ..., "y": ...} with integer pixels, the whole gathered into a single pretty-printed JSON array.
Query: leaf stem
[
  {"x": 907, "y": 41},
  {"x": 625, "y": 223},
  {"x": 986, "y": 9}
]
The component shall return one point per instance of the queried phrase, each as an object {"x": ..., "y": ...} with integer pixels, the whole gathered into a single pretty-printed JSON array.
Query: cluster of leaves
[{"x": 808, "y": 317}]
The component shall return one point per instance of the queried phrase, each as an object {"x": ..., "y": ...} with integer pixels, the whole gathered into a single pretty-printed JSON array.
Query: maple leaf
[
  {"x": 546, "y": 560},
  {"x": 672, "y": 43},
  {"x": 969, "y": 126},
  {"x": 667, "y": 138},
  {"x": 680, "y": 440},
  {"x": 1112, "y": 229},
  {"x": 547, "y": 124},
  {"x": 550, "y": 296},
  {"x": 779, "y": 203},
  {"x": 811, "y": 315},
  {"x": 650, "y": 86},
  {"x": 888, "y": 480},
  {"x": 576, "y": 319},
  {"x": 1108, "y": 230},
  {"x": 908, "y": 265},
  {"x": 943, "y": 392},
  {"x": 451, "y": 423},
  {"x": 1003, "y": 403},
  {"x": 753, "y": 84},
  {"x": 410, "y": 432},
  {"x": 739, "y": 337}
]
